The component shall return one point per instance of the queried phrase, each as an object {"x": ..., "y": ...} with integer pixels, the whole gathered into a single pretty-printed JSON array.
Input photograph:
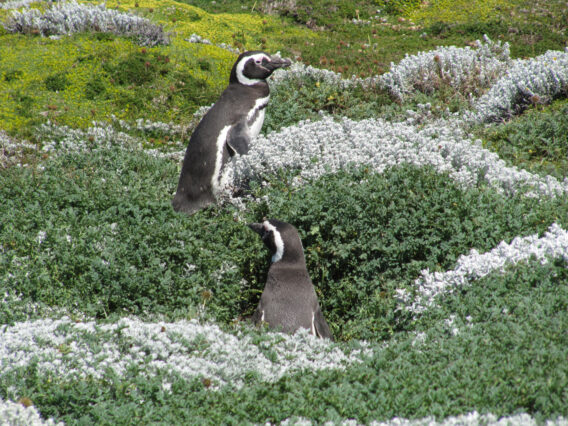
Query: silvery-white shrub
[
  {"x": 16, "y": 4},
  {"x": 15, "y": 413},
  {"x": 227, "y": 360},
  {"x": 326, "y": 146},
  {"x": 465, "y": 69},
  {"x": 71, "y": 17},
  {"x": 552, "y": 245},
  {"x": 299, "y": 70},
  {"x": 527, "y": 81}
]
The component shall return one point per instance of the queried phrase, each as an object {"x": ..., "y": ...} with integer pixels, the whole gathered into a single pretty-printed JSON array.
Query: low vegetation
[{"x": 420, "y": 150}]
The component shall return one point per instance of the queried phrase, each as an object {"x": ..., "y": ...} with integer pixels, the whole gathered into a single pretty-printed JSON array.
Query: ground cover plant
[
  {"x": 541, "y": 133},
  {"x": 430, "y": 195}
]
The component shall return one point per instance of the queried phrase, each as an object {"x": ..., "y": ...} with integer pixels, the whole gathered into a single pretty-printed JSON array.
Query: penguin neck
[
  {"x": 261, "y": 86},
  {"x": 288, "y": 260}
]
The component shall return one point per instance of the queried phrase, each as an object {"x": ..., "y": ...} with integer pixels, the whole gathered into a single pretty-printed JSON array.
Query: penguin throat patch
[{"x": 278, "y": 242}]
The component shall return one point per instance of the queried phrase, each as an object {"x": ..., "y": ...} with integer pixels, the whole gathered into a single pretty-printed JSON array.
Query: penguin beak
[
  {"x": 276, "y": 63},
  {"x": 257, "y": 227}
]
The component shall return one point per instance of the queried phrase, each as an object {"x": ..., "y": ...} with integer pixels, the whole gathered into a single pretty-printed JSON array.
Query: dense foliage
[{"x": 439, "y": 259}]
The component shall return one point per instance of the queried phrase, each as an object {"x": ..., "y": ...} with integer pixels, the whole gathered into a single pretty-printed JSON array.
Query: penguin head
[
  {"x": 281, "y": 238},
  {"x": 255, "y": 66}
]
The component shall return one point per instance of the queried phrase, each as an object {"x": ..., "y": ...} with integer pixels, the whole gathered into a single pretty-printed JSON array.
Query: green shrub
[
  {"x": 365, "y": 235},
  {"x": 25, "y": 103},
  {"x": 12, "y": 75},
  {"x": 56, "y": 82},
  {"x": 94, "y": 87},
  {"x": 497, "y": 347},
  {"x": 328, "y": 13},
  {"x": 96, "y": 233},
  {"x": 537, "y": 140},
  {"x": 139, "y": 67},
  {"x": 302, "y": 98}
]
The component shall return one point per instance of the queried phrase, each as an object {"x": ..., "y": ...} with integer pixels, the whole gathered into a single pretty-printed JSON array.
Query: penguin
[
  {"x": 227, "y": 129},
  {"x": 289, "y": 300}
]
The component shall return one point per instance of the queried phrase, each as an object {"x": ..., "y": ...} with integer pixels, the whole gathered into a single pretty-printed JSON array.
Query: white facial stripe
[
  {"x": 277, "y": 241},
  {"x": 241, "y": 65},
  {"x": 221, "y": 140}
]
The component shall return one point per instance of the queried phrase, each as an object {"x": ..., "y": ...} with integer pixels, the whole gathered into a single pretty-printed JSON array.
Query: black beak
[
  {"x": 276, "y": 63},
  {"x": 257, "y": 227}
]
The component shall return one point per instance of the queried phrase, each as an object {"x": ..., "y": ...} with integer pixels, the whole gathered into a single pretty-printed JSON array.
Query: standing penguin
[
  {"x": 289, "y": 300},
  {"x": 226, "y": 129}
]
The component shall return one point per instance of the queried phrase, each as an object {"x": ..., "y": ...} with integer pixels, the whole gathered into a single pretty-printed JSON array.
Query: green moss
[
  {"x": 91, "y": 79},
  {"x": 461, "y": 11}
]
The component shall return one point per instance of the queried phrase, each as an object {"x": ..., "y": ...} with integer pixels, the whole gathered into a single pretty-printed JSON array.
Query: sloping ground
[{"x": 440, "y": 267}]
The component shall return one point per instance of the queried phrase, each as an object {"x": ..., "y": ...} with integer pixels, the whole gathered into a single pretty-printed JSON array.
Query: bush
[
  {"x": 94, "y": 87},
  {"x": 399, "y": 7},
  {"x": 94, "y": 232},
  {"x": 71, "y": 17},
  {"x": 56, "y": 82},
  {"x": 465, "y": 70},
  {"x": 138, "y": 68},
  {"x": 527, "y": 82},
  {"x": 365, "y": 235},
  {"x": 305, "y": 92},
  {"x": 327, "y": 146},
  {"x": 536, "y": 140}
]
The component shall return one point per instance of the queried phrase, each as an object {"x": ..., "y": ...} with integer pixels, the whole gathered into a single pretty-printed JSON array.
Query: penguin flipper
[
  {"x": 238, "y": 139},
  {"x": 321, "y": 327}
]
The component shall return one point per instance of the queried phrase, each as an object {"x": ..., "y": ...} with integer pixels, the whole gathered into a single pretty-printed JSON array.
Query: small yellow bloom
[{"x": 317, "y": 84}]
